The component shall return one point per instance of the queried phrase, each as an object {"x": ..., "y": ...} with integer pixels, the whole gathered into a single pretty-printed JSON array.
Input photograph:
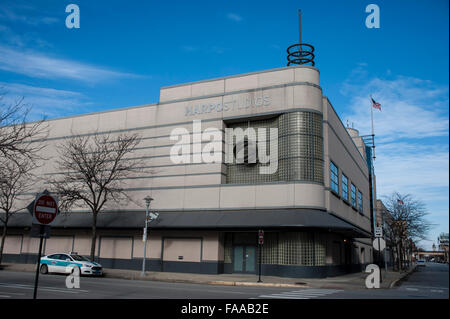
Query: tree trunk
[
  {"x": 398, "y": 260},
  {"x": 2, "y": 244},
  {"x": 94, "y": 234},
  {"x": 401, "y": 256}
]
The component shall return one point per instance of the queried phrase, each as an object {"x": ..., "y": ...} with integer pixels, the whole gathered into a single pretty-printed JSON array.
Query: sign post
[
  {"x": 379, "y": 234},
  {"x": 43, "y": 210},
  {"x": 260, "y": 243}
]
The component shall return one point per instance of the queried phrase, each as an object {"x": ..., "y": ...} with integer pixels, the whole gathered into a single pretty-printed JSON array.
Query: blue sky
[{"x": 125, "y": 51}]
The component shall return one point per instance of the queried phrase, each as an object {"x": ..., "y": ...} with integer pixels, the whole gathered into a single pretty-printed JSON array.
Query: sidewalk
[{"x": 345, "y": 282}]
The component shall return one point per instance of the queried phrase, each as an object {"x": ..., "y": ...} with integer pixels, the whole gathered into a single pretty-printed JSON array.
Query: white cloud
[
  {"x": 37, "y": 65},
  {"x": 412, "y": 168},
  {"x": 235, "y": 17},
  {"x": 411, "y": 136},
  {"x": 189, "y": 48},
  {"x": 204, "y": 49},
  {"x": 25, "y": 14},
  {"x": 411, "y": 108},
  {"x": 46, "y": 102}
]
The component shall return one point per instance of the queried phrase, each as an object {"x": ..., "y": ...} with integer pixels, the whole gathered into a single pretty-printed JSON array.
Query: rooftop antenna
[{"x": 300, "y": 53}]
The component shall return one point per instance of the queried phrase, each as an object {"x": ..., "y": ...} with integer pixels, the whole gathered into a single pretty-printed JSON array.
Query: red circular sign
[
  {"x": 45, "y": 209},
  {"x": 261, "y": 237}
]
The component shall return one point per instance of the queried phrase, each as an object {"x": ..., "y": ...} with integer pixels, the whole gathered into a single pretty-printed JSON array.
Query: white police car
[{"x": 66, "y": 263}]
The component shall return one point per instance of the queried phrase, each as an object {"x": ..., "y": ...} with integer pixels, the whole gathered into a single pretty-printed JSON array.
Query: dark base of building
[{"x": 208, "y": 267}]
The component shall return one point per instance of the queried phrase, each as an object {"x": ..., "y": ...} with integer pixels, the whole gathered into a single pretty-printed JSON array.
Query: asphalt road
[
  {"x": 427, "y": 282},
  {"x": 21, "y": 285},
  {"x": 430, "y": 281}
]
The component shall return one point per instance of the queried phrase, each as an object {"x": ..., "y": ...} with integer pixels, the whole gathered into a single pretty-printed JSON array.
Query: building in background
[
  {"x": 443, "y": 244},
  {"x": 382, "y": 217},
  {"x": 315, "y": 209}
]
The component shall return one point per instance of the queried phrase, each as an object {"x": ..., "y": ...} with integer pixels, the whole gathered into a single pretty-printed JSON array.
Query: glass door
[
  {"x": 250, "y": 259},
  {"x": 244, "y": 259},
  {"x": 238, "y": 259}
]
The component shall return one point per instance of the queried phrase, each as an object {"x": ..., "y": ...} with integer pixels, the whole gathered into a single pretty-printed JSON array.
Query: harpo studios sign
[{"x": 238, "y": 103}]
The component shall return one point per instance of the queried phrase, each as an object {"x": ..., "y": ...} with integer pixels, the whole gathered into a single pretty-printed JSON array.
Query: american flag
[{"x": 375, "y": 104}]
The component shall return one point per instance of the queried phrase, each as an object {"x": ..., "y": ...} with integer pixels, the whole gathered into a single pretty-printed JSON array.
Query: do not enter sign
[
  {"x": 261, "y": 237},
  {"x": 45, "y": 209}
]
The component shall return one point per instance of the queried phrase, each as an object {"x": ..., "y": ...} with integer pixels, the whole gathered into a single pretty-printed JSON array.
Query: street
[{"x": 429, "y": 282}]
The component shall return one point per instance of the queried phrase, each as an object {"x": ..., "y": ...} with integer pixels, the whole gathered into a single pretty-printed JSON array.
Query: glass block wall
[
  {"x": 286, "y": 248},
  {"x": 246, "y": 174},
  {"x": 300, "y": 147},
  {"x": 300, "y": 150}
]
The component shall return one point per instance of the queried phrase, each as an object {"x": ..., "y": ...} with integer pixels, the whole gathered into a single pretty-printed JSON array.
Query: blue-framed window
[
  {"x": 353, "y": 194},
  {"x": 344, "y": 187},
  {"x": 334, "y": 178},
  {"x": 360, "y": 201}
]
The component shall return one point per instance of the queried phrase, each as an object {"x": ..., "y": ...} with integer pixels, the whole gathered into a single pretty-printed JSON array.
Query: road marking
[
  {"x": 4, "y": 296},
  {"x": 411, "y": 289},
  {"x": 12, "y": 293},
  {"x": 12, "y": 285},
  {"x": 301, "y": 294},
  {"x": 427, "y": 287},
  {"x": 19, "y": 286},
  {"x": 280, "y": 297},
  {"x": 436, "y": 290}
]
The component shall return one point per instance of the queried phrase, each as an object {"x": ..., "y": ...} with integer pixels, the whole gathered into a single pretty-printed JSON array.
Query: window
[
  {"x": 360, "y": 202},
  {"x": 79, "y": 258},
  {"x": 345, "y": 187},
  {"x": 334, "y": 178},
  {"x": 353, "y": 193}
]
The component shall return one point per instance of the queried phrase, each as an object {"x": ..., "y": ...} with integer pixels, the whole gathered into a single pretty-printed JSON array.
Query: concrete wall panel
[{"x": 187, "y": 248}]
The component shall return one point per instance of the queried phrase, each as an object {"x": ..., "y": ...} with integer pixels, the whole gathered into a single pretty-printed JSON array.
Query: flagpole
[
  {"x": 372, "y": 184},
  {"x": 373, "y": 134}
]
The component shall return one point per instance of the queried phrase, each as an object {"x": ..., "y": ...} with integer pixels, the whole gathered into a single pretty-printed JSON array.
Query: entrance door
[{"x": 244, "y": 259}]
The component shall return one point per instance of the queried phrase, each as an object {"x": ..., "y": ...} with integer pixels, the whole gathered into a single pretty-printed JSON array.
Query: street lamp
[{"x": 147, "y": 199}]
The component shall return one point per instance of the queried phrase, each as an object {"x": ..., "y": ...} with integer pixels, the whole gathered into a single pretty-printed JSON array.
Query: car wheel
[{"x": 44, "y": 269}]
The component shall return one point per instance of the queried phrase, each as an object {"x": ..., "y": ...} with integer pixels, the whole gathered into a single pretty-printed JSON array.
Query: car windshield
[{"x": 79, "y": 258}]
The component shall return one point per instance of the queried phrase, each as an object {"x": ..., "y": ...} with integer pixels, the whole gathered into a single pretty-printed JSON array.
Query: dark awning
[{"x": 208, "y": 220}]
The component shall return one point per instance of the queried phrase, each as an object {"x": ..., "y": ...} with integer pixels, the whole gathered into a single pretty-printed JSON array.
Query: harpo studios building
[{"x": 314, "y": 208}]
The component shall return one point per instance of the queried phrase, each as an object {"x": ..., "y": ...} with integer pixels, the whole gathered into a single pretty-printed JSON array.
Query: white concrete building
[{"x": 315, "y": 209}]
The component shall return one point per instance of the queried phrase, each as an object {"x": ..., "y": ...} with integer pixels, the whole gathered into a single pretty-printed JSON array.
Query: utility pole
[{"x": 147, "y": 199}]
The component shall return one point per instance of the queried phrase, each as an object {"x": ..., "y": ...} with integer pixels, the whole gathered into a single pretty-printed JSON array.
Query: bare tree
[
  {"x": 405, "y": 223},
  {"x": 18, "y": 137},
  {"x": 16, "y": 178},
  {"x": 20, "y": 146},
  {"x": 92, "y": 172}
]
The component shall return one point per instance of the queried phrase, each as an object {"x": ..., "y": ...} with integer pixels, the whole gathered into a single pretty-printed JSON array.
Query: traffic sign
[
  {"x": 378, "y": 231},
  {"x": 45, "y": 209},
  {"x": 261, "y": 237},
  {"x": 382, "y": 244}
]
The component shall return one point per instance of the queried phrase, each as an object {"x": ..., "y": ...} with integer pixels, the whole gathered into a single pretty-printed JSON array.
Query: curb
[
  {"x": 395, "y": 282},
  {"x": 212, "y": 282},
  {"x": 255, "y": 284}
]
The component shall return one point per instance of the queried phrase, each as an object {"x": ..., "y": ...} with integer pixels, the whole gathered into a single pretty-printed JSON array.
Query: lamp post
[
  {"x": 385, "y": 242},
  {"x": 147, "y": 199}
]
